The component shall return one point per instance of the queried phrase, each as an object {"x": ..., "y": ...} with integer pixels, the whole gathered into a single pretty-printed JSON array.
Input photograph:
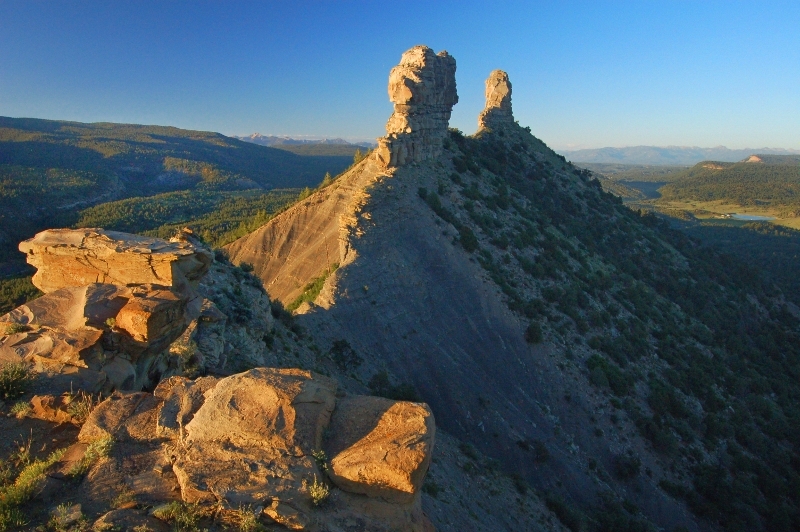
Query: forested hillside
[
  {"x": 694, "y": 347},
  {"x": 775, "y": 183},
  {"x": 138, "y": 178}
]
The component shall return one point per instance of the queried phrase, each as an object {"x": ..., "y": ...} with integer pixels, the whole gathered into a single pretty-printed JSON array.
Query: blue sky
[{"x": 585, "y": 74}]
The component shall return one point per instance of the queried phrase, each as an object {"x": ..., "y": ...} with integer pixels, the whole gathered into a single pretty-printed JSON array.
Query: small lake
[{"x": 752, "y": 217}]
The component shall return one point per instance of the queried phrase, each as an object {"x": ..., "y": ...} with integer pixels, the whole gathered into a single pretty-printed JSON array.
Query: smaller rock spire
[{"x": 498, "y": 102}]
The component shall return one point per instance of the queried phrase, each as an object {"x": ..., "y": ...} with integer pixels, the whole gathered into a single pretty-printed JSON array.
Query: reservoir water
[{"x": 752, "y": 217}]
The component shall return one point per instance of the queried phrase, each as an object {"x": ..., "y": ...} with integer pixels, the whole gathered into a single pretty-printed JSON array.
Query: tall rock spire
[
  {"x": 498, "y": 102},
  {"x": 423, "y": 90}
]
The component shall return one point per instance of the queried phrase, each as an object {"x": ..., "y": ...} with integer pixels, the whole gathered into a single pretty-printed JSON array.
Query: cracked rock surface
[{"x": 254, "y": 438}]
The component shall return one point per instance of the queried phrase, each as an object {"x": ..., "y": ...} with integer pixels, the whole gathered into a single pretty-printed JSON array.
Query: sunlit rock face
[
  {"x": 498, "y": 102},
  {"x": 423, "y": 90}
]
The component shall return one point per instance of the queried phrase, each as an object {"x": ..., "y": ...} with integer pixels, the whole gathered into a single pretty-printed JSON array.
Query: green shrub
[
  {"x": 312, "y": 289},
  {"x": 519, "y": 483},
  {"x": 14, "y": 379},
  {"x": 467, "y": 239},
  {"x": 185, "y": 517},
  {"x": 617, "y": 380},
  {"x": 431, "y": 488},
  {"x": 319, "y": 492},
  {"x": 14, "y": 495},
  {"x": 15, "y": 328},
  {"x": 533, "y": 334},
  {"x": 627, "y": 466},
  {"x": 344, "y": 356},
  {"x": 380, "y": 385},
  {"x": 569, "y": 517}
]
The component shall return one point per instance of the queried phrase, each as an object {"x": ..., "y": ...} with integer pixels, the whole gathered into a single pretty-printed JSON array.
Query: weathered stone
[
  {"x": 381, "y": 448},
  {"x": 253, "y": 436},
  {"x": 284, "y": 409},
  {"x": 49, "y": 408},
  {"x": 70, "y": 327},
  {"x": 121, "y": 374},
  {"x": 286, "y": 515},
  {"x": 497, "y": 112},
  {"x": 72, "y": 307},
  {"x": 78, "y": 257},
  {"x": 181, "y": 399},
  {"x": 48, "y": 349},
  {"x": 111, "y": 417},
  {"x": 63, "y": 378},
  {"x": 152, "y": 316},
  {"x": 423, "y": 90},
  {"x": 129, "y": 519},
  {"x": 69, "y": 461}
]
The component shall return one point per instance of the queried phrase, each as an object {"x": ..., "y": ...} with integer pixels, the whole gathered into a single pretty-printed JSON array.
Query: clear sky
[{"x": 584, "y": 74}]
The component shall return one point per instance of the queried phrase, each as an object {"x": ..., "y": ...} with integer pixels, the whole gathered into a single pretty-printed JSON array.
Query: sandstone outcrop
[
  {"x": 113, "y": 305},
  {"x": 255, "y": 438},
  {"x": 497, "y": 112},
  {"x": 381, "y": 448},
  {"x": 78, "y": 257},
  {"x": 95, "y": 337},
  {"x": 423, "y": 90}
]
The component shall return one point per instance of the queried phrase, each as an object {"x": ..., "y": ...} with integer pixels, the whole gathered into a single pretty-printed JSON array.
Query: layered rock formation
[
  {"x": 257, "y": 438},
  {"x": 497, "y": 112},
  {"x": 78, "y": 257},
  {"x": 114, "y": 304},
  {"x": 423, "y": 90}
]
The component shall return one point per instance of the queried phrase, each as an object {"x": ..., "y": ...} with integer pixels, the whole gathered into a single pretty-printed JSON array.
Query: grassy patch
[
  {"x": 14, "y": 380},
  {"x": 14, "y": 495},
  {"x": 312, "y": 289}
]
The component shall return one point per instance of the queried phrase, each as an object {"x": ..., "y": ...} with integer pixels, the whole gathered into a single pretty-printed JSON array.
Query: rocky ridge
[
  {"x": 288, "y": 444},
  {"x": 419, "y": 295}
]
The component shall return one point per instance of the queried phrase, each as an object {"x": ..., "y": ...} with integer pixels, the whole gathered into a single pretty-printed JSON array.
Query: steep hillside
[{"x": 634, "y": 378}]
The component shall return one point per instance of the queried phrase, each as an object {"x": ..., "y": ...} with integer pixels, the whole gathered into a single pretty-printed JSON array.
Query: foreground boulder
[
  {"x": 381, "y": 448},
  {"x": 256, "y": 439}
]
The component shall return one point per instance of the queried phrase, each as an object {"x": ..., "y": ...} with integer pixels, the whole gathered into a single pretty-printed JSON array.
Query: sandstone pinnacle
[
  {"x": 498, "y": 102},
  {"x": 423, "y": 89}
]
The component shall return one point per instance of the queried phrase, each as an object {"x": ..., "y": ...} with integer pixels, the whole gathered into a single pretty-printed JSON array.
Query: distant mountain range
[
  {"x": 669, "y": 155},
  {"x": 275, "y": 140}
]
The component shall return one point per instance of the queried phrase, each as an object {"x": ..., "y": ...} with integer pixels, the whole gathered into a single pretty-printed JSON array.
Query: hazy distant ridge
[
  {"x": 275, "y": 140},
  {"x": 681, "y": 155}
]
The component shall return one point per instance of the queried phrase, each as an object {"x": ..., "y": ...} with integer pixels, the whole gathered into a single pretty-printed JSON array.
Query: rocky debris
[
  {"x": 423, "y": 90},
  {"x": 235, "y": 321},
  {"x": 79, "y": 257},
  {"x": 50, "y": 408},
  {"x": 256, "y": 439},
  {"x": 498, "y": 102},
  {"x": 381, "y": 448}
]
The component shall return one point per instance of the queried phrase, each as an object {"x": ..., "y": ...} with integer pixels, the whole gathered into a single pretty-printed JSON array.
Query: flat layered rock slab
[
  {"x": 78, "y": 257},
  {"x": 381, "y": 448}
]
